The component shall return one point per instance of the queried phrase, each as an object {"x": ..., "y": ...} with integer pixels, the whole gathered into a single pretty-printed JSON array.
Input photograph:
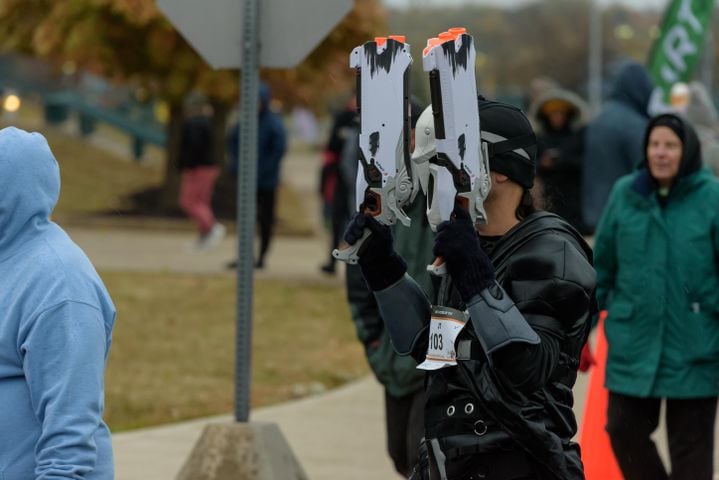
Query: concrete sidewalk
[
  {"x": 339, "y": 434},
  {"x": 172, "y": 251}
]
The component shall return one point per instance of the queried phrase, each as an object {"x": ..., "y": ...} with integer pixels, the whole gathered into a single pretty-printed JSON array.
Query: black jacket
[
  {"x": 196, "y": 143},
  {"x": 524, "y": 398}
]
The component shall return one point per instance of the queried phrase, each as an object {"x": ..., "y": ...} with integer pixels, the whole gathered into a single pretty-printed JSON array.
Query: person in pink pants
[{"x": 199, "y": 174}]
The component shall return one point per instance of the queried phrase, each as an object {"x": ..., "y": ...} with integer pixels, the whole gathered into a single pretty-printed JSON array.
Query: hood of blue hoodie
[
  {"x": 29, "y": 187},
  {"x": 633, "y": 86}
]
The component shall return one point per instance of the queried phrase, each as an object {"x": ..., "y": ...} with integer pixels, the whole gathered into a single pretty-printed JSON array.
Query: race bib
[{"x": 443, "y": 330}]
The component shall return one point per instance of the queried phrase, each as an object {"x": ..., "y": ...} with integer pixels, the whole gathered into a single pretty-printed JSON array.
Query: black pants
[
  {"x": 404, "y": 419},
  {"x": 690, "y": 430},
  {"x": 500, "y": 465},
  {"x": 265, "y": 219}
]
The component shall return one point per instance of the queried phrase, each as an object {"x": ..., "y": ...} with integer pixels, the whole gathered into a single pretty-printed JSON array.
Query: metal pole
[
  {"x": 246, "y": 187},
  {"x": 595, "y": 57}
]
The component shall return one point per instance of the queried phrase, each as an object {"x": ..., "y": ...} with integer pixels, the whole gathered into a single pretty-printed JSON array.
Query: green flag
[{"x": 678, "y": 48}]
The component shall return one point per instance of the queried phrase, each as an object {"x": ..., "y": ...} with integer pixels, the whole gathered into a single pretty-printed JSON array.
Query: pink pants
[{"x": 195, "y": 200}]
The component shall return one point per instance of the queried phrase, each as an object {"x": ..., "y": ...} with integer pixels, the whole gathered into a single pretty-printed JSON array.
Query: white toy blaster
[
  {"x": 460, "y": 170},
  {"x": 384, "y": 183}
]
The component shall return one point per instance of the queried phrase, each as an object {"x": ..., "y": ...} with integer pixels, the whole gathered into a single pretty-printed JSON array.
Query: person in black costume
[{"x": 522, "y": 286}]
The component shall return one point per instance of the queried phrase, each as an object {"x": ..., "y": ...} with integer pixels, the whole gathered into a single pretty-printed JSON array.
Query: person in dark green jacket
[
  {"x": 657, "y": 262},
  {"x": 403, "y": 383}
]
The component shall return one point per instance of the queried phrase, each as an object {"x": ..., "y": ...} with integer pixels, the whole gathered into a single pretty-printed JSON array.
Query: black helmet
[{"x": 512, "y": 145}]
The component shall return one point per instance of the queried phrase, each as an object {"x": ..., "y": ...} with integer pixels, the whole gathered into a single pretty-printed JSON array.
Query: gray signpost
[
  {"x": 246, "y": 199},
  {"x": 595, "y": 57},
  {"x": 247, "y": 34}
]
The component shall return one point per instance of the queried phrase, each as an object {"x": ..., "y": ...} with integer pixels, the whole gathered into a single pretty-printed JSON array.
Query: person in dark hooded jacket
[
  {"x": 657, "y": 261},
  {"x": 271, "y": 147},
  {"x": 501, "y": 344},
  {"x": 560, "y": 118},
  {"x": 613, "y": 140}
]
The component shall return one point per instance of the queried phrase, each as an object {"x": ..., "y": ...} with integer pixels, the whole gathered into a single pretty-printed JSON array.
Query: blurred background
[
  {"x": 106, "y": 82},
  {"x": 88, "y": 65}
]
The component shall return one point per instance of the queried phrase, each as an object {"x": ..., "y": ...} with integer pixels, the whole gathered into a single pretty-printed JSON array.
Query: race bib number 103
[{"x": 443, "y": 331}]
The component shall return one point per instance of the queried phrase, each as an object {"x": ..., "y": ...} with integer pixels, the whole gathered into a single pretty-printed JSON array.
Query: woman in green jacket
[{"x": 657, "y": 262}]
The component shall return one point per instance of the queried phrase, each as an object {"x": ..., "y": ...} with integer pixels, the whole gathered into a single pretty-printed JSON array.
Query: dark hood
[
  {"x": 633, "y": 87},
  {"x": 577, "y": 116},
  {"x": 691, "y": 148},
  {"x": 691, "y": 160}
]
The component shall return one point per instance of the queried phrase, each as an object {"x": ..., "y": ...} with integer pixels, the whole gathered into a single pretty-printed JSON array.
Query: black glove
[
  {"x": 380, "y": 265},
  {"x": 470, "y": 268}
]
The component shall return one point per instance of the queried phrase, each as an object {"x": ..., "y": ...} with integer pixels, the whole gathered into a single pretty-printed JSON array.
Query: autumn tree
[{"x": 130, "y": 41}]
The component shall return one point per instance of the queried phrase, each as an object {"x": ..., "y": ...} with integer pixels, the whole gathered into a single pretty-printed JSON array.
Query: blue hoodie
[
  {"x": 56, "y": 323},
  {"x": 271, "y": 143}
]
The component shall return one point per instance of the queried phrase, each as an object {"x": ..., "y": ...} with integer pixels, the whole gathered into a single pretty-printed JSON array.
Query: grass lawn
[
  {"x": 172, "y": 357},
  {"x": 94, "y": 180},
  {"x": 173, "y": 348}
]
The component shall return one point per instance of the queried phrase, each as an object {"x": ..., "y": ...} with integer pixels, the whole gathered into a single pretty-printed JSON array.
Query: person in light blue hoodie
[{"x": 56, "y": 321}]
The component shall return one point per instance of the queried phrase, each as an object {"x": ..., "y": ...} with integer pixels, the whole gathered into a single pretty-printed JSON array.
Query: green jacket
[
  {"x": 398, "y": 374},
  {"x": 658, "y": 276}
]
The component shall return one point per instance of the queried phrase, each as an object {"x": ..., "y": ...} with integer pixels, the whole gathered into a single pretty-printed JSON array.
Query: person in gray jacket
[
  {"x": 702, "y": 114},
  {"x": 613, "y": 140}
]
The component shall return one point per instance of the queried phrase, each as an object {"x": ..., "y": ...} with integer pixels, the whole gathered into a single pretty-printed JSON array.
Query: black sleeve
[
  {"x": 528, "y": 367},
  {"x": 554, "y": 293},
  {"x": 363, "y": 306}
]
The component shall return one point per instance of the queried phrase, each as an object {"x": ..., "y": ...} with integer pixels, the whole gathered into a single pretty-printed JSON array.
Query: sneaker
[{"x": 211, "y": 238}]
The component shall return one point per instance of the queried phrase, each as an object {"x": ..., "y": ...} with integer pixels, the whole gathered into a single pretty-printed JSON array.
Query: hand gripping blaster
[
  {"x": 460, "y": 171},
  {"x": 384, "y": 183}
]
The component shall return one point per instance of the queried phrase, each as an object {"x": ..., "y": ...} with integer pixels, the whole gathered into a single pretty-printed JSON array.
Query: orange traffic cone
[{"x": 597, "y": 455}]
